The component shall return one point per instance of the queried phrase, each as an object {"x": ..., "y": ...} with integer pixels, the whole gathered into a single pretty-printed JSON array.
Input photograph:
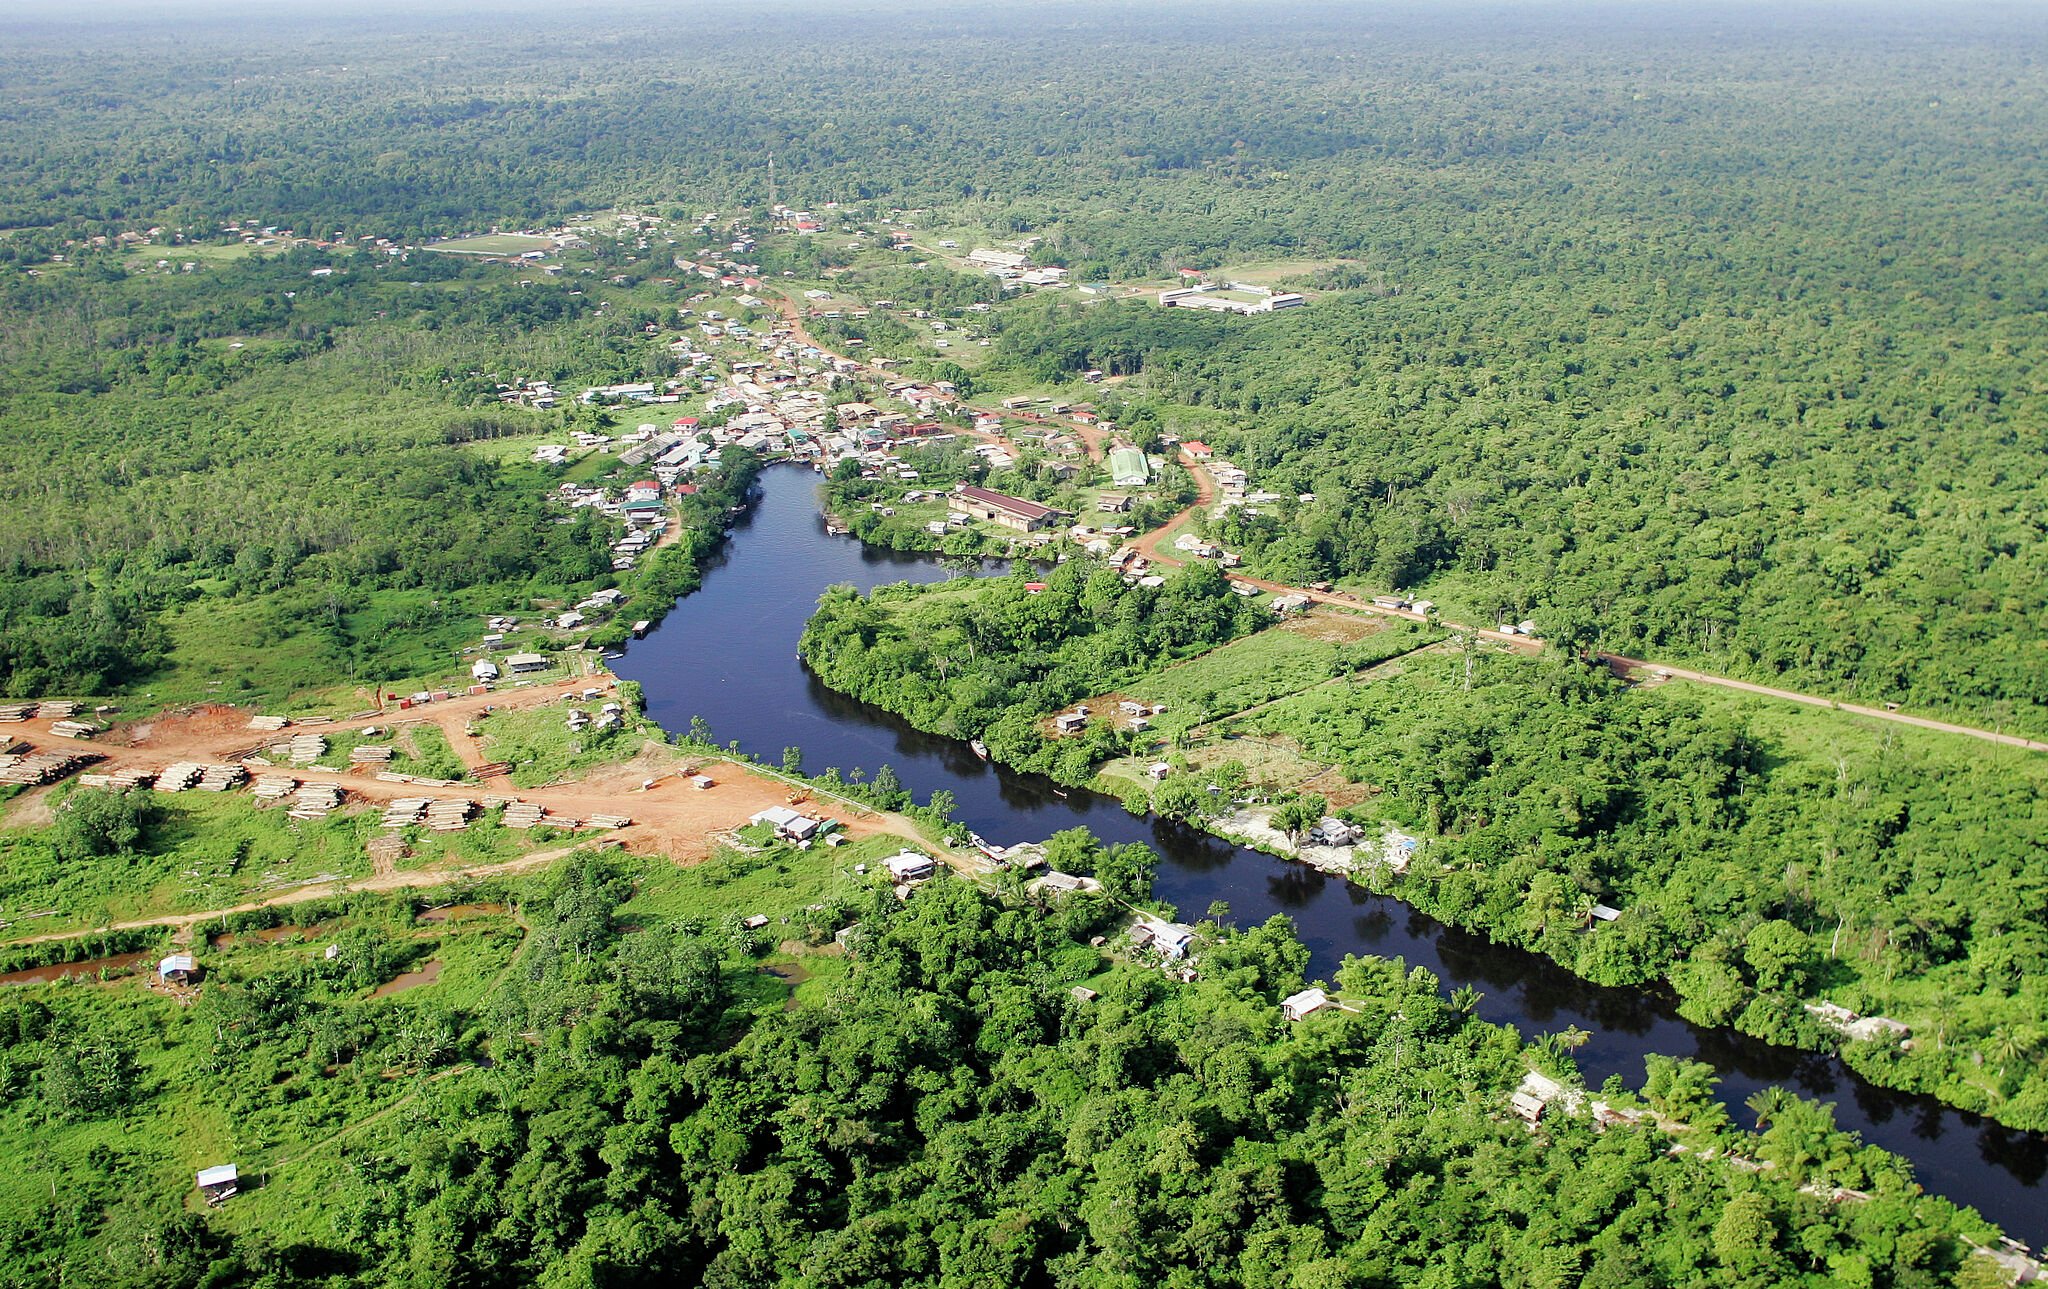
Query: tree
[
  {"x": 1745, "y": 1238},
  {"x": 95, "y": 822},
  {"x": 1780, "y": 955},
  {"x": 792, "y": 760}
]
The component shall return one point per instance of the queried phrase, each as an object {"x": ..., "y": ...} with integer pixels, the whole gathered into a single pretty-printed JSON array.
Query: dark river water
[{"x": 728, "y": 654}]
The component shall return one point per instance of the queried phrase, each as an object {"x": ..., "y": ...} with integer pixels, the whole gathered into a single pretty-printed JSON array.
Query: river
[{"x": 727, "y": 653}]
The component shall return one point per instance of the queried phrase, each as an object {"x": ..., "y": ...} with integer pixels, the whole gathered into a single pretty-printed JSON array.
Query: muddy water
[
  {"x": 399, "y": 984},
  {"x": 65, "y": 970}
]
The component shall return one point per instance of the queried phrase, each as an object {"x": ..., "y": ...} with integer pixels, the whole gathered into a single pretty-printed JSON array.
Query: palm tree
[
  {"x": 2008, "y": 1045},
  {"x": 1767, "y": 1104}
]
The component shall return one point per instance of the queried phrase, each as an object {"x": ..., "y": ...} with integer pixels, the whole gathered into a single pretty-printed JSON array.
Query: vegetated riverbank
[
  {"x": 1545, "y": 786},
  {"x": 728, "y": 657}
]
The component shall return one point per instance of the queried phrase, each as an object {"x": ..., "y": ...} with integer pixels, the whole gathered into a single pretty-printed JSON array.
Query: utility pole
[{"x": 771, "y": 192}]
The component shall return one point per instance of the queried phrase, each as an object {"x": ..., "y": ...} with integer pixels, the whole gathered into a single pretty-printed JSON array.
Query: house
[
  {"x": 1083, "y": 994},
  {"x": 521, "y": 663},
  {"x": 1390, "y": 601},
  {"x": 1296, "y": 1006},
  {"x": 1283, "y": 605},
  {"x": 1128, "y": 467},
  {"x": 1070, "y": 722},
  {"x": 1196, "y": 450},
  {"x": 1605, "y": 913},
  {"x": 569, "y": 621},
  {"x": 1057, "y": 883},
  {"x": 178, "y": 969},
  {"x": 218, "y": 1183},
  {"x": 644, "y": 490},
  {"x": 909, "y": 866},
  {"x": 788, "y": 824},
  {"x": 992, "y": 259},
  {"x": 1158, "y": 769},
  {"x": 484, "y": 670},
  {"x": 1113, "y": 503},
  {"x": 1332, "y": 831},
  {"x": 756, "y": 922},
  {"x": 1169, "y": 938},
  {"x": 996, "y": 508}
]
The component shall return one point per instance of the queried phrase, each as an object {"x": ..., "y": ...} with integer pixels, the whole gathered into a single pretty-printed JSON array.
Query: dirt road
[{"x": 1813, "y": 700}]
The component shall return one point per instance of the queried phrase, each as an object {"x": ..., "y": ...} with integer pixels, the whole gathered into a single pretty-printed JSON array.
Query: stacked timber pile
[
  {"x": 405, "y": 811},
  {"x": 274, "y": 787},
  {"x": 16, "y": 713},
  {"x": 491, "y": 770},
  {"x": 56, "y": 709},
  {"x": 269, "y": 724},
  {"x": 315, "y": 801},
  {"x": 220, "y": 778},
  {"x": 608, "y": 821},
  {"x": 133, "y": 778},
  {"x": 10, "y": 744},
  {"x": 76, "y": 729},
  {"x": 561, "y": 821},
  {"x": 307, "y": 748},
  {"x": 31, "y": 769},
  {"x": 179, "y": 776},
  {"x": 377, "y": 754},
  {"x": 522, "y": 814},
  {"x": 450, "y": 814}
]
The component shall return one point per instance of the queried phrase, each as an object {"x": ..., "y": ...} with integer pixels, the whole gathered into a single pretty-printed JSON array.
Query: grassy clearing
[
  {"x": 205, "y": 851},
  {"x": 495, "y": 244},
  {"x": 186, "y": 1113},
  {"x": 542, "y": 748}
]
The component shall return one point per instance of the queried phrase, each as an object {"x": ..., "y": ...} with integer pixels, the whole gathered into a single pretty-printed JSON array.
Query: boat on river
[{"x": 978, "y": 747}]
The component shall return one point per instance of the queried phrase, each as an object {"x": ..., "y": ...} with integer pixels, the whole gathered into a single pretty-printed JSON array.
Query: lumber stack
[
  {"x": 561, "y": 821},
  {"x": 522, "y": 814},
  {"x": 133, "y": 778},
  {"x": 315, "y": 801},
  {"x": 450, "y": 814},
  {"x": 76, "y": 729},
  {"x": 56, "y": 709},
  {"x": 370, "y": 754},
  {"x": 274, "y": 787},
  {"x": 16, "y": 713},
  {"x": 307, "y": 748},
  {"x": 31, "y": 769},
  {"x": 179, "y": 776},
  {"x": 269, "y": 724},
  {"x": 404, "y": 811},
  {"x": 220, "y": 778},
  {"x": 608, "y": 821}
]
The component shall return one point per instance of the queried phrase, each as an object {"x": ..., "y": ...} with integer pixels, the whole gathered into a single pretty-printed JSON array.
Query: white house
[
  {"x": 1296, "y": 1006},
  {"x": 909, "y": 866},
  {"x": 483, "y": 669}
]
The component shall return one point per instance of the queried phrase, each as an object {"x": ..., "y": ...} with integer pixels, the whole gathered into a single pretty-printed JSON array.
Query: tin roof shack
[
  {"x": 520, "y": 664},
  {"x": 179, "y": 969},
  {"x": 218, "y": 1184}
]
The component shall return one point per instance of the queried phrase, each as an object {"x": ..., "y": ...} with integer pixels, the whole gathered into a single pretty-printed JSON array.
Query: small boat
[
  {"x": 640, "y": 627},
  {"x": 978, "y": 747},
  {"x": 1061, "y": 793}
]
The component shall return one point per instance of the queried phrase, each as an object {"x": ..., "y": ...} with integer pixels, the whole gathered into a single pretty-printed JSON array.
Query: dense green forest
[
  {"x": 1690, "y": 336},
  {"x": 939, "y": 1110},
  {"x": 1758, "y": 867},
  {"x": 312, "y": 478},
  {"x": 1707, "y": 334}
]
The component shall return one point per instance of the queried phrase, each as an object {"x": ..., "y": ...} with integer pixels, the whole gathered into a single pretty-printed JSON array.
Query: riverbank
[{"x": 728, "y": 656}]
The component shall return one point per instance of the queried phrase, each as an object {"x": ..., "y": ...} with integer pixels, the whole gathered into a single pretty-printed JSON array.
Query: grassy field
[
  {"x": 1276, "y": 662},
  {"x": 495, "y": 244}
]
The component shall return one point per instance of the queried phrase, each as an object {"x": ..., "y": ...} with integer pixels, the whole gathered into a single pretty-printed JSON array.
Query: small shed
[
  {"x": 755, "y": 922},
  {"x": 1083, "y": 994},
  {"x": 218, "y": 1183},
  {"x": 1070, "y": 722},
  {"x": 178, "y": 968}
]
